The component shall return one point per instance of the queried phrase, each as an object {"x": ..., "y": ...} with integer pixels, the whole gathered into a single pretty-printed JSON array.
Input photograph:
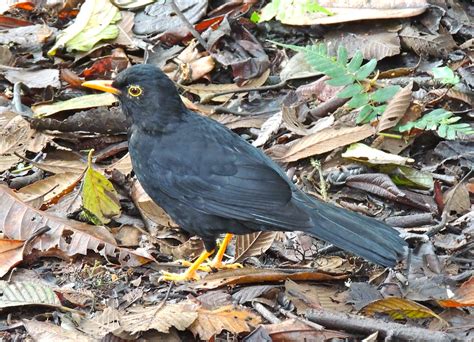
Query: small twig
[
  {"x": 188, "y": 25},
  {"x": 366, "y": 325},
  {"x": 267, "y": 314},
  {"x": 305, "y": 321}
]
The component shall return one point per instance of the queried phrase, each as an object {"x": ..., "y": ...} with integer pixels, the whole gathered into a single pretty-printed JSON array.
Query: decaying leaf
[
  {"x": 396, "y": 108},
  {"x": 159, "y": 317},
  {"x": 45, "y": 331},
  {"x": 11, "y": 254},
  {"x": 213, "y": 322},
  {"x": 26, "y": 293},
  {"x": 70, "y": 237},
  {"x": 399, "y": 308},
  {"x": 102, "y": 323},
  {"x": 51, "y": 188},
  {"x": 61, "y": 162},
  {"x": 364, "y": 153},
  {"x": 254, "y": 275},
  {"x": 248, "y": 293},
  {"x": 99, "y": 196},
  {"x": 463, "y": 296},
  {"x": 320, "y": 142},
  {"x": 81, "y": 102},
  {"x": 253, "y": 244},
  {"x": 94, "y": 22}
]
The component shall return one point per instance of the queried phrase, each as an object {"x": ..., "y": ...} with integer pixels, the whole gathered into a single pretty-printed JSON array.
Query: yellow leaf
[
  {"x": 399, "y": 308},
  {"x": 98, "y": 194}
]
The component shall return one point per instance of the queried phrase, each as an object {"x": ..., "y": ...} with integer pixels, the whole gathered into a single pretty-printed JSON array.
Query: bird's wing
[{"x": 220, "y": 174}]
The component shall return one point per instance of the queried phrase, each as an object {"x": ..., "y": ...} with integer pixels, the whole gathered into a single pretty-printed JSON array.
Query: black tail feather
[{"x": 361, "y": 235}]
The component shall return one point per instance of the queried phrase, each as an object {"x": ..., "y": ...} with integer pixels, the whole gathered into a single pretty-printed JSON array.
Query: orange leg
[{"x": 190, "y": 273}]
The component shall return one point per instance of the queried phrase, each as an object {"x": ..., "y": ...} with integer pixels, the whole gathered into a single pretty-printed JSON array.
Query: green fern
[
  {"x": 442, "y": 121},
  {"x": 349, "y": 74}
]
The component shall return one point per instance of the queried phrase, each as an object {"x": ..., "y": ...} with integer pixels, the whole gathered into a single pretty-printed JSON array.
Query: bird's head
[{"x": 144, "y": 91}]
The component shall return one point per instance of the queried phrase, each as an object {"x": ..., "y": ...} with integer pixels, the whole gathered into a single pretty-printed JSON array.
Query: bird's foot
[
  {"x": 203, "y": 267},
  {"x": 219, "y": 265},
  {"x": 179, "y": 277}
]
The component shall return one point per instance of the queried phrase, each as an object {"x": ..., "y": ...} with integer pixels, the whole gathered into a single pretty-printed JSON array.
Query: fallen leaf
[
  {"x": 234, "y": 320},
  {"x": 35, "y": 78},
  {"x": 255, "y": 275},
  {"x": 463, "y": 296},
  {"x": 45, "y": 331},
  {"x": 249, "y": 293},
  {"x": 61, "y": 162},
  {"x": 364, "y": 153},
  {"x": 11, "y": 254},
  {"x": 399, "y": 308},
  {"x": 81, "y": 102},
  {"x": 396, "y": 108},
  {"x": 94, "y": 22},
  {"x": 52, "y": 188},
  {"x": 268, "y": 128},
  {"x": 253, "y": 244},
  {"x": 320, "y": 142},
  {"x": 292, "y": 330},
  {"x": 23, "y": 293},
  {"x": 102, "y": 323},
  {"x": 70, "y": 237},
  {"x": 99, "y": 196},
  {"x": 159, "y": 317}
]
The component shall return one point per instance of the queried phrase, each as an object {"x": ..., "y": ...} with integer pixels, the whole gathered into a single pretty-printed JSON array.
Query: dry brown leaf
[
  {"x": 11, "y": 254},
  {"x": 17, "y": 137},
  {"x": 253, "y": 244},
  {"x": 463, "y": 296},
  {"x": 52, "y": 188},
  {"x": 124, "y": 165},
  {"x": 399, "y": 308},
  {"x": 19, "y": 221},
  {"x": 102, "y": 323},
  {"x": 149, "y": 209},
  {"x": 61, "y": 162},
  {"x": 292, "y": 330},
  {"x": 254, "y": 275},
  {"x": 427, "y": 44},
  {"x": 396, "y": 108},
  {"x": 373, "y": 41},
  {"x": 210, "y": 323},
  {"x": 320, "y": 142},
  {"x": 207, "y": 91},
  {"x": 45, "y": 331},
  {"x": 159, "y": 317}
]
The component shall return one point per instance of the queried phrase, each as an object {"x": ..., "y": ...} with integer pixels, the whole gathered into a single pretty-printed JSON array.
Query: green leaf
[
  {"x": 355, "y": 62},
  {"x": 384, "y": 94},
  {"x": 366, "y": 114},
  {"x": 379, "y": 109},
  {"x": 350, "y": 91},
  {"x": 407, "y": 176},
  {"x": 340, "y": 81},
  {"x": 366, "y": 70},
  {"x": 358, "y": 100},
  {"x": 342, "y": 55},
  {"x": 445, "y": 75},
  {"x": 255, "y": 17}
]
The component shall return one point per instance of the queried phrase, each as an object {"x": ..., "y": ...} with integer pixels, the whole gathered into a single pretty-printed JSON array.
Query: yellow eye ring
[{"x": 135, "y": 90}]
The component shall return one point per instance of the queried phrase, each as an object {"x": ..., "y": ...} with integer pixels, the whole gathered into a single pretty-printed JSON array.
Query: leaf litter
[{"x": 370, "y": 125}]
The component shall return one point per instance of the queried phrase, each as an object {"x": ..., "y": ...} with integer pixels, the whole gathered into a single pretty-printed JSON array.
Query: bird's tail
[{"x": 356, "y": 233}]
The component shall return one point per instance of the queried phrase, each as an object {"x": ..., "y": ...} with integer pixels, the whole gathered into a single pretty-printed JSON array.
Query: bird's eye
[{"x": 135, "y": 90}]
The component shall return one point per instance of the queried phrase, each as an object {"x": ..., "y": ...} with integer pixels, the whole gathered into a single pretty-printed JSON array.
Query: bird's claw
[
  {"x": 202, "y": 267},
  {"x": 178, "y": 277},
  {"x": 222, "y": 266}
]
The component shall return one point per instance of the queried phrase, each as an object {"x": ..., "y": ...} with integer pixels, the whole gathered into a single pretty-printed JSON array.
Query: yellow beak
[{"x": 102, "y": 85}]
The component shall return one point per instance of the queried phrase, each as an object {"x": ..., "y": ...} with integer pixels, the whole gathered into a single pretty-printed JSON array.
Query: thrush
[{"x": 211, "y": 181}]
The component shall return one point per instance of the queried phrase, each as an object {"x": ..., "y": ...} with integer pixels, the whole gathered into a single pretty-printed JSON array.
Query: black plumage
[{"x": 211, "y": 181}]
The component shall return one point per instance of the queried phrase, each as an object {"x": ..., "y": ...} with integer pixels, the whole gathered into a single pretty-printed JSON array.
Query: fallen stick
[{"x": 390, "y": 331}]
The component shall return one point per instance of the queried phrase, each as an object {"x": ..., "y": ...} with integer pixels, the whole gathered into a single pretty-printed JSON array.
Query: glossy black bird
[{"x": 211, "y": 181}]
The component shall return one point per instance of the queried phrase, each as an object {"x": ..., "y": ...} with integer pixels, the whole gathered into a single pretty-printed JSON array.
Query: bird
[{"x": 212, "y": 182}]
